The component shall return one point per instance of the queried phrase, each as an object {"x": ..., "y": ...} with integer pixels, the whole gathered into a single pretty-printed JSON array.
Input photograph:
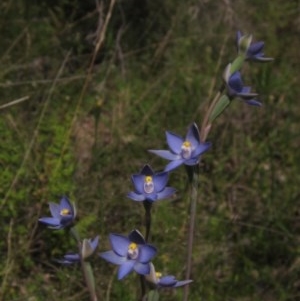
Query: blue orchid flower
[
  {"x": 88, "y": 248},
  {"x": 63, "y": 214},
  {"x": 253, "y": 51},
  {"x": 130, "y": 253},
  {"x": 235, "y": 87},
  {"x": 164, "y": 281},
  {"x": 170, "y": 281},
  {"x": 183, "y": 151},
  {"x": 150, "y": 186}
]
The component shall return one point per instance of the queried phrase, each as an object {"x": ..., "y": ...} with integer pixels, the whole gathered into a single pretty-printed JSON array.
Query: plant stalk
[
  {"x": 193, "y": 210},
  {"x": 87, "y": 270},
  {"x": 205, "y": 129},
  {"x": 147, "y": 206}
]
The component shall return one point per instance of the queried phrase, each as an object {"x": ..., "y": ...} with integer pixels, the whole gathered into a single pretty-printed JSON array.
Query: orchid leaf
[{"x": 221, "y": 105}]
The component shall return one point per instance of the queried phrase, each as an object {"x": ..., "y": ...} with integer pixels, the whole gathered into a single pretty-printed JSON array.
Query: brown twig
[{"x": 14, "y": 102}]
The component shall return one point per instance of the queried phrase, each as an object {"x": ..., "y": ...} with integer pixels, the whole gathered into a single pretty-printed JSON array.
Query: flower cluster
[
  {"x": 133, "y": 252},
  {"x": 232, "y": 78}
]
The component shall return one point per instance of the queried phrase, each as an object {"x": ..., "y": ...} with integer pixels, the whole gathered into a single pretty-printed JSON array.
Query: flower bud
[
  {"x": 244, "y": 44},
  {"x": 88, "y": 247}
]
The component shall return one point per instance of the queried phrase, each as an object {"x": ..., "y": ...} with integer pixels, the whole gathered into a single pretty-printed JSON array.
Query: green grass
[{"x": 158, "y": 67}]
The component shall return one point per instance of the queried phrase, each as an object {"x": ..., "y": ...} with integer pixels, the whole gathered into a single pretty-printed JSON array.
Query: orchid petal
[
  {"x": 202, "y": 147},
  {"x": 182, "y": 283},
  {"x": 246, "y": 89},
  {"x": 175, "y": 142},
  {"x": 125, "y": 269},
  {"x": 193, "y": 135},
  {"x": 50, "y": 221},
  {"x": 167, "y": 192},
  {"x": 55, "y": 210},
  {"x": 112, "y": 257},
  {"x": 255, "y": 48},
  {"x": 151, "y": 197},
  {"x": 254, "y": 102},
  {"x": 262, "y": 59},
  {"x": 136, "y": 197},
  {"x": 138, "y": 182},
  {"x": 160, "y": 181},
  {"x": 136, "y": 237},
  {"x": 147, "y": 170},
  {"x": 66, "y": 219},
  {"x": 246, "y": 95},
  {"x": 235, "y": 82},
  {"x": 65, "y": 204},
  {"x": 94, "y": 243},
  {"x": 174, "y": 164},
  {"x": 193, "y": 161},
  {"x": 73, "y": 257},
  {"x": 146, "y": 253},
  {"x": 165, "y": 154},
  {"x": 167, "y": 281},
  {"x": 142, "y": 268},
  {"x": 119, "y": 244}
]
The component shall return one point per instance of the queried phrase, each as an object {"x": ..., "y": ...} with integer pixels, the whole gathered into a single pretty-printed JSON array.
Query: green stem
[
  {"x": 87, "y": 270},
  {"x": 194, "y": 180},
  {"x": 89, "y": 279},
  {"x": 193, "y": 210}
]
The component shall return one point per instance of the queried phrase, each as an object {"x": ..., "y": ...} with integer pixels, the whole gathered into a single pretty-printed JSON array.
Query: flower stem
[
  {"x": 89, "y": 279},
  {"x": 206, "y": 126},
  {"x": 147, "y": 206},
  {"x": 194, "y": 180},
  {"x": 143, "y": 287},
  {"x": 193, "y": 209},
  {"x": 87, "y": 270}
]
